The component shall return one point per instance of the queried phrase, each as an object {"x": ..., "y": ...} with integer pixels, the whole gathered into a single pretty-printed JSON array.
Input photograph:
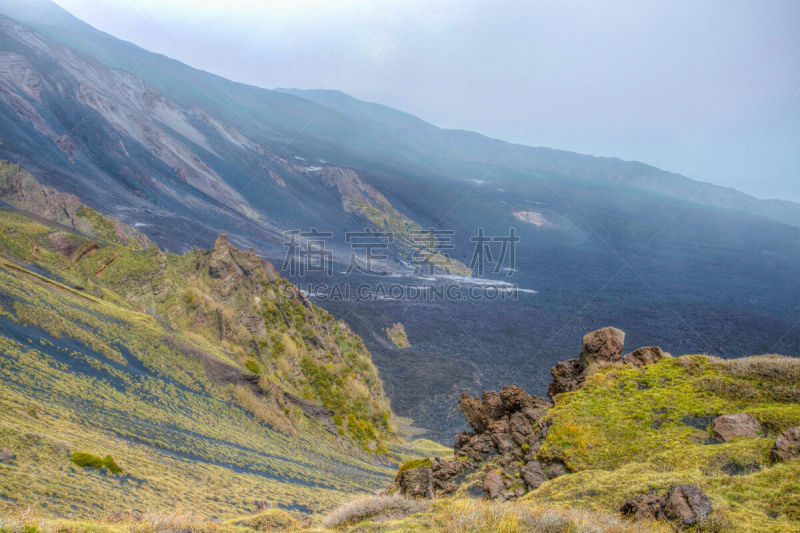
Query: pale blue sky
[{"x": 710, "y": 89}]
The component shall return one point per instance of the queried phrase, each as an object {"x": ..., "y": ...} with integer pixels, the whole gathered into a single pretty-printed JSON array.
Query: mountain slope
[
  {"x": 183, "y": 155},
  {"x": 341, "y": 128},
  {"x": 205, "y": 371}
]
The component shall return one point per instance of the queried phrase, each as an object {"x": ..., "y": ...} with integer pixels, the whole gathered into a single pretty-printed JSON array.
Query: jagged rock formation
[
  {"x": 499, "y": 456},
  {"x": 501, "y": 453}
]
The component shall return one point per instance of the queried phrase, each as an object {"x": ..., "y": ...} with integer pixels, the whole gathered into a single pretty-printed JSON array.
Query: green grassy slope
[
  {"x": 205, "y": 376},
  {"x": 630, "y": 431}
]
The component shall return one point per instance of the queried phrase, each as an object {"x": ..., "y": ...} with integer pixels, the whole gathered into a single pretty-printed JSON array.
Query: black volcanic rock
[
  {"x": 642, "y": 506},
  {"x": 416, "y": 482}
]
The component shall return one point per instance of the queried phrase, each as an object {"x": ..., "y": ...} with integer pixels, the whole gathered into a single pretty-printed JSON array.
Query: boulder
[
  {"x": 728, "y": 427},
  {"x": 642, "y": 506},
  {"x": 534, "y": 415},
  {"x": 602, "y": 346},
  {"x": 533, "y": 475},
  {"x": 416, "y": 482},
  {"x": 498, "y": 426},
  {"x": 685, "y": 504},
  {"x": 472, "y": 409},
  {"x": 567, "y": 376},
  {"x": 646, "y": 355},
  {"x": 493, "y": 484},
  {"x": 462, "y": 440},
  {"x": 520, "y": 423},
  {"x": 555, "y": 469},
  {"x": 520, "y": 428},
  {"x": 787, "y": 445}
]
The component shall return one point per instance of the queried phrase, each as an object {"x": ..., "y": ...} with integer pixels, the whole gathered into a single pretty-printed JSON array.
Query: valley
[{"x": 225, "y": 308}]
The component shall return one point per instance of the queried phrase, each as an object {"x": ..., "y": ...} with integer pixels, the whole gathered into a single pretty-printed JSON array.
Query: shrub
[
  {"x": 111, "y": 465},
  {"x": 397, "y": 334},
  {"x": 84, "y": 459},
  {"x": 252, "y": 366},
  {"x": 371, "y": 506}
]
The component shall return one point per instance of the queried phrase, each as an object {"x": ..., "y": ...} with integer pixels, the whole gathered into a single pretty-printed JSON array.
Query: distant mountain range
[{"x": 182, "y": 154}]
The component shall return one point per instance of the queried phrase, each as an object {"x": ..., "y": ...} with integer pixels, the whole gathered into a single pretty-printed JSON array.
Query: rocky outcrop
[
  {"x": 729, "y": 427},
  {"x": 493, "y": 484},
  {"x": 472, "y": 409},
  {"x": 567, "y": 376},
  {"x": 508, "y": 427},
  {"x": 684, "y": 505},
  {"x": 500, "y": 456},
  {"x": 787, "y": 446},
  {"x": 599, "y": 347}
]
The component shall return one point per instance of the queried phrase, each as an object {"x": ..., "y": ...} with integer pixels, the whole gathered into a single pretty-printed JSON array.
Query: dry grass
[
  {"x": 394, "y": 506},
  {"x": 771, "y": 367},
  {"x": 264, "y": 410},
  {"x": 483, "y": 516},
  {"x": 29, "y": 521}
]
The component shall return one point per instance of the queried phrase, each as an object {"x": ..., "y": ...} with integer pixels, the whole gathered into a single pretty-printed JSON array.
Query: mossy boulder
[{"x": 414, "y": 478}]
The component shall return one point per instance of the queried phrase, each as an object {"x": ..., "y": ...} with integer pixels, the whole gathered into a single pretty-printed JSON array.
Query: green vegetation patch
[
  {"x": 108, "y": 349},
  {"x": 414, "y": 463},
  {"x": 86, "y": 460},
  {"x": 397, "y": 334},
  {"x": 634, "y": 430}
]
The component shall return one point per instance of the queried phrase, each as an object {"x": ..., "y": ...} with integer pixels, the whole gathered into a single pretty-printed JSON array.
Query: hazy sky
[{"x": 710, "y": 89}]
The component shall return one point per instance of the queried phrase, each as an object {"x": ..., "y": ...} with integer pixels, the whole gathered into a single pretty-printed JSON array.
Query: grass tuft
[{"x": 357, "y": 511}]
